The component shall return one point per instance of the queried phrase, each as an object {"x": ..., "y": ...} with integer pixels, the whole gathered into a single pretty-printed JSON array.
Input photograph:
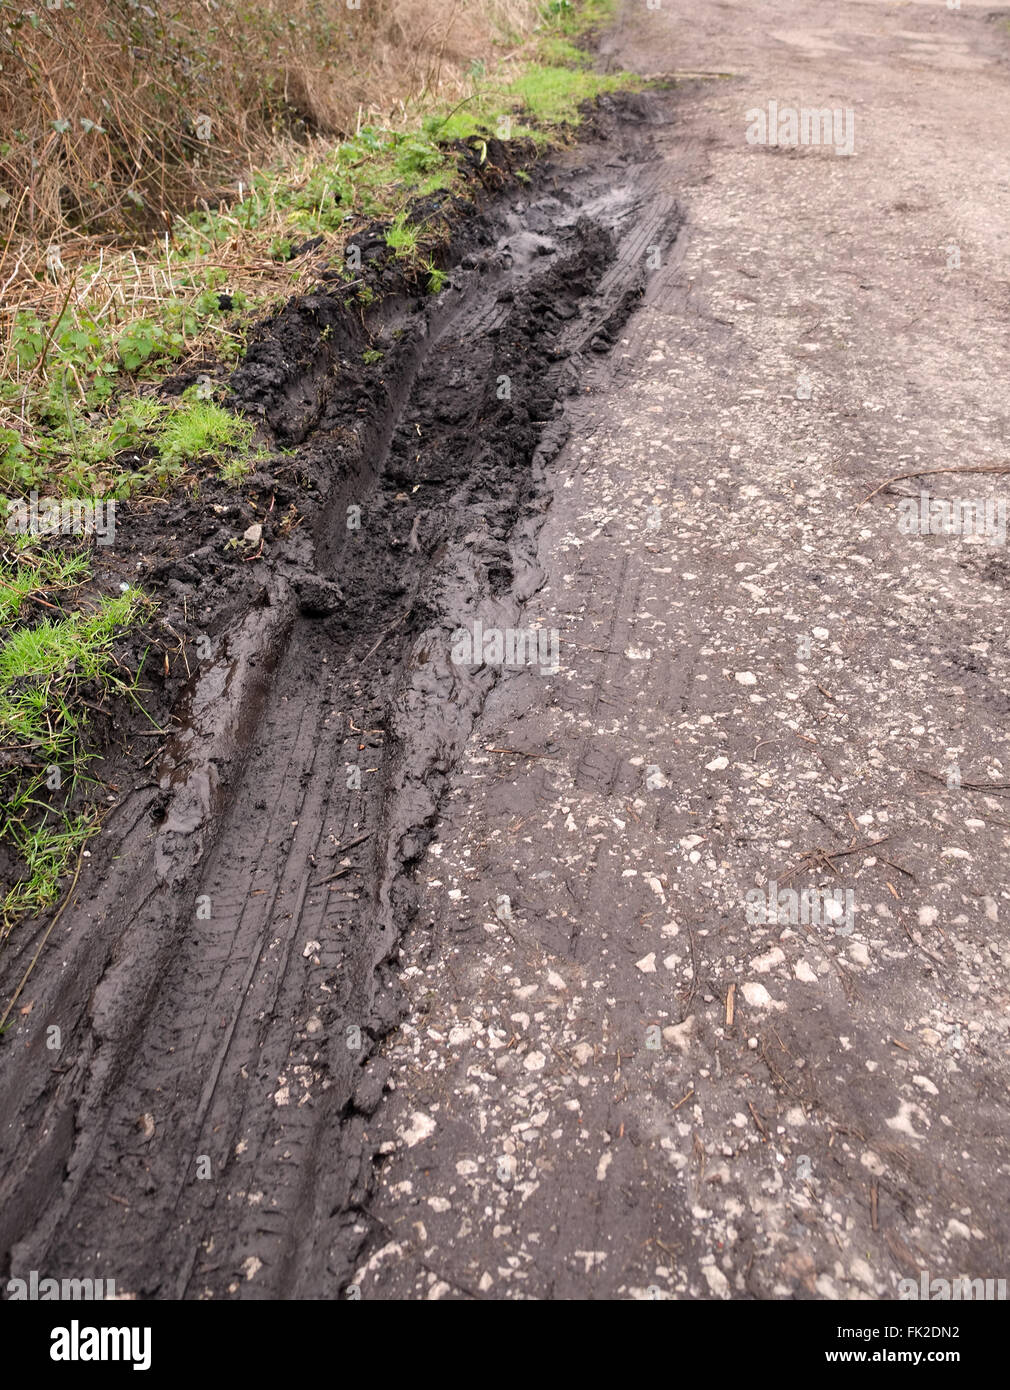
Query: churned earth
[
  {"x": 398, "y": 973},
  {"x": 612, "y": 1083}
]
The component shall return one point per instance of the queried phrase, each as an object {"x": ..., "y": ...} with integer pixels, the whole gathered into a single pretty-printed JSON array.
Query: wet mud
[{"x": 225, "y": 969}]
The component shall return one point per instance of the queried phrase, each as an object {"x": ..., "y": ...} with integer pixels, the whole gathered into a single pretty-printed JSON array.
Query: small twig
[
  {"x": 56, "y": 918},
  {"x": 520, "y": 752},
  {"x": 358, "y": 840},
  {"x": 758, "y": 1121},
  {"x": 332, "y": 878},
  {"x": 40, "y": 364},
  {"x": 819, "y": 855},
  {"x": 383, "y": 635},
  {"x": 891, "y": 863},
  {"x": 923, "y": 472},
  {"x": 971, "y": 786}
]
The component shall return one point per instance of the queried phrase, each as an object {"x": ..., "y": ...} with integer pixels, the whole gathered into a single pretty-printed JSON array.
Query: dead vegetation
[{"x": 117, "y": 114}]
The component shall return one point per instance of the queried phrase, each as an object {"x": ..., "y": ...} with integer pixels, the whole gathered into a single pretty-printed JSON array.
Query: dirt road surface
[
  {"x": 412, "y": 974},
  {"x": 755, "y": 670}
]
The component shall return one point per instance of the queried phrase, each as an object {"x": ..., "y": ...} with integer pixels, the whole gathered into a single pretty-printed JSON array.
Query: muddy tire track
[{"x": 225, "y": 972}]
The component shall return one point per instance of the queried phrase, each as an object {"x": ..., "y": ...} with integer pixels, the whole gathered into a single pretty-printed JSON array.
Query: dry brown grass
[{"x": 116, "y": 114}]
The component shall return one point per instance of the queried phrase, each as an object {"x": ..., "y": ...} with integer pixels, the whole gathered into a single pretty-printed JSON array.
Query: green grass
[
  {"x": 40, "y": 665},
  {"x": 45, "y": 668},
  {"x": 141, "y": 445},
  {"x": 552, "y": 95},
  {"x": 199, "y": 429},
  {"x": 403, "y": 237},
  {"x": 31, "y": 571},
  {"x": 47, "y": 850}
]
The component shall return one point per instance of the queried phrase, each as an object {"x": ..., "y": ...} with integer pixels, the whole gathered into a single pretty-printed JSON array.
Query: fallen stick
[
  {"x": 48, "y": 932},
  {"x": 923, "y": 472}
]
